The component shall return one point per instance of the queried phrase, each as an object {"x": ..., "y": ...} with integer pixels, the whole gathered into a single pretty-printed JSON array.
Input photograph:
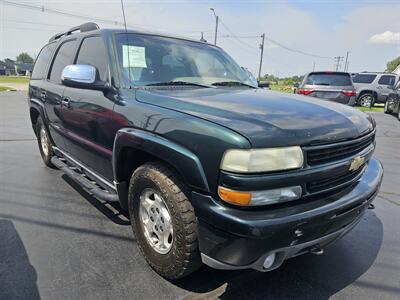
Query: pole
[
  {"x": 262, "y": 54},
  {"x": 338, "y": 60},
  {"x": 216, "y": 25},
  {"x": 216, "y": 30},
  {"x": 347, "y": 59},
  {"x": 313, "y": 67}
]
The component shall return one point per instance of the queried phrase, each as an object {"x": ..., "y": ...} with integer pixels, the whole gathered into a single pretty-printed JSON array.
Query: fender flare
[{"x": 182, "y": 159}]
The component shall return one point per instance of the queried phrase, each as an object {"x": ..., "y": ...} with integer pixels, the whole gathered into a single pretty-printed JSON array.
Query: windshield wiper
[
  {"x": 232, "y": 83},
  {"x": 177, "y": 83}
]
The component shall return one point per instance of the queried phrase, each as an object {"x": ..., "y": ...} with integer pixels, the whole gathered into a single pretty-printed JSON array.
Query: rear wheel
[
  {"x": 45, "y": 146},
  {"x": 366, "y": 100},
  {"x": 163, "y": 220}
]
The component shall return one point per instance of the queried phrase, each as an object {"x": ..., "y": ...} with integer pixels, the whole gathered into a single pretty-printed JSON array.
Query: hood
[{"x": 265, "y": 118}]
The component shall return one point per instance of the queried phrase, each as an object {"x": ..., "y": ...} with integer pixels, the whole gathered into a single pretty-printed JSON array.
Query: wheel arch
[
  {"x": 134, "y": 147},
  {"x": 34, "y": 114}
]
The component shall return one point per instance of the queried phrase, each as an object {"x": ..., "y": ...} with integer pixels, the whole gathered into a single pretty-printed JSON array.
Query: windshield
[
  {"x": 363, "y": 78},
  {"x": 329, "y": 79},
  {"x": 148, "y": 60}
]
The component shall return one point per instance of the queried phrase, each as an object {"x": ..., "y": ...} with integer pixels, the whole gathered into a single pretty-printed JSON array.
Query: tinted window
[
  {"x": 387, "y": 80},
  {"x": 329, "y": 79},
  {"x": 62, "y": 59},
  {"x": 364, "y": 78},
  {"x": 42, "y": 61},
  {"x": 93, "y": 52}
]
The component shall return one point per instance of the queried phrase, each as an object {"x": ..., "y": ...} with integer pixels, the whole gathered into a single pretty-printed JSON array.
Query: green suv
[{"x": 211, "y": 168}]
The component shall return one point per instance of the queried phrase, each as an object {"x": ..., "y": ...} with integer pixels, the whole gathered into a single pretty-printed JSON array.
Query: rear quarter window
[
  {"x": 328, "y": 79},
  {"x": 364, "y": 78},
  {"x": 42, "y": 61}
]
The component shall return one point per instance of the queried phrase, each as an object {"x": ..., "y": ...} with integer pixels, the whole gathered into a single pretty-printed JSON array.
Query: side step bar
[{"x": 87, "y": 185}]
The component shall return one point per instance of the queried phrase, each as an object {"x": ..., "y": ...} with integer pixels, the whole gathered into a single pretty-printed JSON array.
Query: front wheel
[
  {"x": 366, "y": 100},
  {"x": 163, "y": 220}
]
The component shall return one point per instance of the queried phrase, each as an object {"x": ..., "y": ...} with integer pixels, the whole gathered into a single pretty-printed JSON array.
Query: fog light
[{"x": 269, "y": 261}]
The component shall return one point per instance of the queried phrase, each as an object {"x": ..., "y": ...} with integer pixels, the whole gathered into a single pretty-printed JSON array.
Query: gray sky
[{"x": 369, "y": 29}]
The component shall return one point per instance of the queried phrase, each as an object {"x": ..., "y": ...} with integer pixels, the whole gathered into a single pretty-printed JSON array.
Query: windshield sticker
[{"x": 133, "y": 57}]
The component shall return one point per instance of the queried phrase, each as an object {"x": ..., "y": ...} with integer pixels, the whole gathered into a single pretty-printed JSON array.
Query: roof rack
[{"x": 82, "y": 28}]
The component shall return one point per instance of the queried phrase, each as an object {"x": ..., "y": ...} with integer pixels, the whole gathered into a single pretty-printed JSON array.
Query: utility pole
[
  {"x": 313, "y": 67},
  {"x": 216, "y": 25},
  {"x": 346, "y": 65},
  {"x": 262, "y": 54},
  {"x": 338, "y": 60}
]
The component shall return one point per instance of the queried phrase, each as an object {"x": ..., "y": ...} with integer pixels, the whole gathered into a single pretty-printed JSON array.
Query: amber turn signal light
[{"x": 234, "y": 197}]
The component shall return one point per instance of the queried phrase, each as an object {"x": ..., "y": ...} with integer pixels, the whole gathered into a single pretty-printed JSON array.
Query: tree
[
  {"x": 24, "y": 58},
  {"x": 392, "y": 65}
]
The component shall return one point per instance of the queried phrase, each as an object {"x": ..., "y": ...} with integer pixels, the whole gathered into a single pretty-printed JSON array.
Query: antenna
[{"x": 127, "y": 44}]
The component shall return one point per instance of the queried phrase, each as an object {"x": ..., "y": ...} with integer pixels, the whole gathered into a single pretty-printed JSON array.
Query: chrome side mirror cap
[{"x": 80, "y": 74}]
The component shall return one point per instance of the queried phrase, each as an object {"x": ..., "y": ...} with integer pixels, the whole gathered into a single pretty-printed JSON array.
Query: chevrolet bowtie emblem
[{"x": 356, "y": 163}]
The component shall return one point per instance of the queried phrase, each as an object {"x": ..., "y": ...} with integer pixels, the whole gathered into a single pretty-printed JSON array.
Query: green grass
[
  {"x": 14, "y": 79},
  {"x": 4, "y": 88},
  {"x": 281, "y": 88},
  {"x": 372, "y": 109}
]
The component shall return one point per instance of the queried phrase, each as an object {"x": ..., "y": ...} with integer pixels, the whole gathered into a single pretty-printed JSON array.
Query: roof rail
[{"x": 82, "y": 28}]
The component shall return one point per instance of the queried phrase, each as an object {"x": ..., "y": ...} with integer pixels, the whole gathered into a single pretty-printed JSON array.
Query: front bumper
[{"x": 232, "y": 238}]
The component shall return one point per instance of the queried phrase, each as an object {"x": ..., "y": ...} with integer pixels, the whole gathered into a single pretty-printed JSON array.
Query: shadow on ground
[
  {"x": 304, "y": 277},
  {"x": 17, "y": 276}
]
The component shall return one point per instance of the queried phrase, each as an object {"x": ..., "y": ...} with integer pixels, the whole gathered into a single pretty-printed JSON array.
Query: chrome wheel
[
  {"x": 156, "y": 221},
  {"x": 44, "y": 141},
  {"x": 366, "y": 100}
]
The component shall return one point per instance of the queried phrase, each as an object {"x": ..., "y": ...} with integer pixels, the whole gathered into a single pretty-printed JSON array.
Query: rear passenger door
[
  {"x": 385, "y": 86},
  {"x": 39, "y": 74},
  {"x": 52, "y": 90},
  {"x": 89, "y": 119}
]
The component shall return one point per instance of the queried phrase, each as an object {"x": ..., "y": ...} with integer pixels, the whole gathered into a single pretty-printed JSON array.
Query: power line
[
  {"x": 45, "y": 9},
  {"x": 297, "y": 50}
]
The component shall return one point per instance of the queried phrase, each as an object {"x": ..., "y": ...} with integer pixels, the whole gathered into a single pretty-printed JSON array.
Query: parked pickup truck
[{"x": 211, "y": 168}]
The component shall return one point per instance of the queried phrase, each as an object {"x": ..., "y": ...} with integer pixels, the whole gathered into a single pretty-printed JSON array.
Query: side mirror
[
  {"x": 296, "y": 85},
  {"x": 83, "y": 77}
]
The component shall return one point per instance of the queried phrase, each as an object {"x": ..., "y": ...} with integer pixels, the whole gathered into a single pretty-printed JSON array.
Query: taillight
[
  {"x": 349, "y": 93},
  {"x": 304, "y": 91}
]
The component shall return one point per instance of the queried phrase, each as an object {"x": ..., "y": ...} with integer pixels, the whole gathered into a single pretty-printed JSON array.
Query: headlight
[{"x": 262, "y": 160}]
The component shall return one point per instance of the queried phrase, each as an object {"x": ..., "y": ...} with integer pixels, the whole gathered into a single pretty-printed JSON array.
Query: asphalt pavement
[{"x": 57, "y": 242}]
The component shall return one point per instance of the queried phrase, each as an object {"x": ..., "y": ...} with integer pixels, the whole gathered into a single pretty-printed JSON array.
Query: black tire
[
  {"x": 386, "y": 109},
  {"x": 398, "y": 113},
  {"x": 183, "y": 257},
  {"x": 46, "y": 154},
  {"x": 366, "y": 100}
]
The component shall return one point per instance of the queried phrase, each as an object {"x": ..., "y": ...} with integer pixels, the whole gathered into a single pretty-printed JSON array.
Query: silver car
[
  {"x": 333, "y": 86},
  {"x": 373, "y": 87}
]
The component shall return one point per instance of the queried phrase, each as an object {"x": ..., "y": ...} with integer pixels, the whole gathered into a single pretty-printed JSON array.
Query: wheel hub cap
[
  {"x": 44, "y": 141},
  {"x": 366, "y": 101},
  {"x": 156, "y": 221}
]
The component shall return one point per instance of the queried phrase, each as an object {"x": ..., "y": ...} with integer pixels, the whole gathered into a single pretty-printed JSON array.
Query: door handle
[{"x": 66, "y": 102}]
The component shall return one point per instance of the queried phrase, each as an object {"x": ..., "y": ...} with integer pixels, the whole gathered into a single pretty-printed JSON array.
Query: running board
[{"x": 89, "y": 186}]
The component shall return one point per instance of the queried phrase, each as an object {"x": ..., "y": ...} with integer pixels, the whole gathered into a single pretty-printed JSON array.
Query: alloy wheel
[
  {"x": 44, "y": 141},
  {"x": 156, "y": 221},
  {"x": 366, "y": 100}
]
